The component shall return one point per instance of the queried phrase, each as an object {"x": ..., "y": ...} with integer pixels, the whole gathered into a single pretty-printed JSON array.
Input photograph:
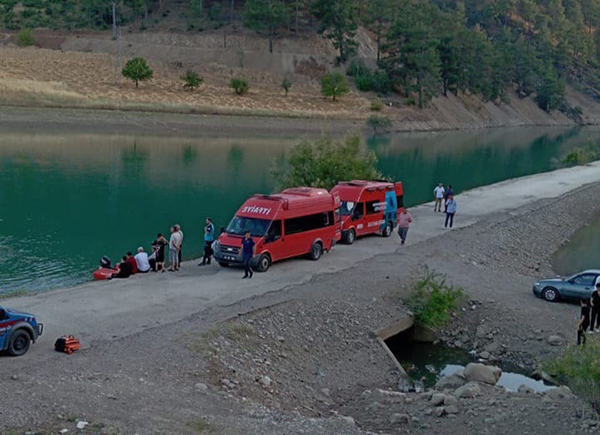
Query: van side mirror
[{"x": 222, "y": 230}]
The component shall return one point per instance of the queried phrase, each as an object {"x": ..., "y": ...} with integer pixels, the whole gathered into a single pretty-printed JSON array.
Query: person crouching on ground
[
  {"x": 247, "y": 254},
  {"x": 404, "y": 221},
  {"x": 584, "y": 321},
  {"x": 131, "y": 259},
  {"x": 141, "y": 258},
  {"x": 451, "y": 208},
  {"x": 123, "y": 269},
  {"x": 209, "y": 237},
  {"x": 174, "y": 247}
]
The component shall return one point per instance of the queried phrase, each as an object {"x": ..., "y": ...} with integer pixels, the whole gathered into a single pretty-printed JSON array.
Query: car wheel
[
  {"x": 19, "y": 343},
  {"x": 387, "y": 231},
  {"x": 350, "y": 237},
  {"x": 223, "y": 264},
  {"x": 550, "y": 294},
  {"x": 264, "y": 262},
  {"x": 316, "y": 251}
]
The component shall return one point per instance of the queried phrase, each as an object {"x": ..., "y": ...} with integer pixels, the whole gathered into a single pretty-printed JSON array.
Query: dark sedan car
[{"x": 578, "y": 286}]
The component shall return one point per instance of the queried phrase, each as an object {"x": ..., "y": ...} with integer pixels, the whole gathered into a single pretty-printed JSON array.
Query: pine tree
[
  {"x": 338, "y": 22},
  {"x": 266, "y": 15}
]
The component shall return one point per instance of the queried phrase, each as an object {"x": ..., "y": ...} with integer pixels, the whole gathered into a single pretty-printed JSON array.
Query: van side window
[
  {"x": 400, "y": 200},
  {"x": 359, "y": 210},
  {"x": 274, "y": 232},
  {"x": 374, "y": 207},
  {"x": 308, "y": 223}
]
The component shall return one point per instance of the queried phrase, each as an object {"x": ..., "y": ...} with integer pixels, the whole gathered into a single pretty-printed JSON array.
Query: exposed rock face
[{"x": 481, "y": 373}]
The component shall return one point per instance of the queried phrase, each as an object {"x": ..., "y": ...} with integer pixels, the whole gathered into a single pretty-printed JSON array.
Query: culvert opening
[{"x": 425, "y": 362}]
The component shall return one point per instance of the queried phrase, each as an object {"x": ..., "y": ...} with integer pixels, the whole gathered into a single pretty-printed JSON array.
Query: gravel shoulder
[{"x": 305, "y": 358}]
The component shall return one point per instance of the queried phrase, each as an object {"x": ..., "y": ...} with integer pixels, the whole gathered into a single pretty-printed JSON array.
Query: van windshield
[
  {"x": 347, "y": 207},
  {"x": 239, "y": 225}
]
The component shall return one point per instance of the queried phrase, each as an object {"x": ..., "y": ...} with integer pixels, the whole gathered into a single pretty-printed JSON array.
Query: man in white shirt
[
  {"x": 438, "y": 194},
  {"x": 174, "y": 247},
  {"x": 178, "y": 229},
  {"x": 141, "y": 258}
]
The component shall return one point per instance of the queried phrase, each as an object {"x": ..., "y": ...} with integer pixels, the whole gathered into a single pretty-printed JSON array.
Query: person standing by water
[
  {"x": 178, "y": 229},
  {"x": 247, "y": 254},
  {"x": 595, "y": 300},
  {"x": 209, "y": 237},
  {"x": 451, "y": 208},
  {"x": 438, "y": 194},
  {"x": 161, "y": 245},
  {"x": 584, "y": 321},
  {"x": 404, "y": 221},
  {"x": 174, "y": 248},
  {"x": 449, "y": 192}
]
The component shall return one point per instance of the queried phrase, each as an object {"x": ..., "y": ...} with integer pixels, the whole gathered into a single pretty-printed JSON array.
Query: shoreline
[{"x": 166, "y": 122}]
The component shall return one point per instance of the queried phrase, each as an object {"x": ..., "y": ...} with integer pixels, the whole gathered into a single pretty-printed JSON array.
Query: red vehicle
[
  {"x": 369, "y": 207},
  {"x": 292, "y": 223}
]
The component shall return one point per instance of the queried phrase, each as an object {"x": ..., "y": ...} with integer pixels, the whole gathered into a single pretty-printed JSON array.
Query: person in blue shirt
[
  {"x": 247, "y": 254},
  {"x": 451, "y": 208},
  {"x": 209, "y": 237}
]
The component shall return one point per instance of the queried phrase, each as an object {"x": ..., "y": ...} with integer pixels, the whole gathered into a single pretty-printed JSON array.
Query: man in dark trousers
[
  {"x": 209, "y": 237},
  {"x": 595, "y": 300},
  {"x": 247, "y": 254},
  {"x": 584, "y": 321}
]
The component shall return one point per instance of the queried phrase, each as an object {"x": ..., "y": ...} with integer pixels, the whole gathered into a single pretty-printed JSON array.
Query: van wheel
[
  {"x": 19, "y": 343},
  {"x": 350, "y": 237},
  {"x": 387, "y": 231},
  {"x": 223, "y": 264},
  {"x": 316, "y": 251},
  {"x": 264, "y": 262}
]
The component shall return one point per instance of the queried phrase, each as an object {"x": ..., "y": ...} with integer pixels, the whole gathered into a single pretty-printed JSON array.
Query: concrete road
[{"x": 106, "y": 310}]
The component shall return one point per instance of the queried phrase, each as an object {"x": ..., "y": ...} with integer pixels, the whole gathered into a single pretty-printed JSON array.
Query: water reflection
[{"x": 581, "y": 252}]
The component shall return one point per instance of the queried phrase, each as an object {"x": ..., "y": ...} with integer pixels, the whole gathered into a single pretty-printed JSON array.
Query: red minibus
[
  {"x": 295, "y": 222},
  {"x": 368, "y": 207}
]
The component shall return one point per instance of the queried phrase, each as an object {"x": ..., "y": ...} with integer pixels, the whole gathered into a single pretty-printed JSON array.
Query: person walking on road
[
  {"x": 595, "y": 301},
  {"x": 584, "y": 321},
  {"x": 247, "y": 254},
  {"x": 174, "y": 248},
  {"x": 404, "y": 221},
  {"x": 451, "y": 208},
  {"x": 209, "y": 237},
  {"x": 438, "y": 194},
  {"x": 449, "y": 192}
]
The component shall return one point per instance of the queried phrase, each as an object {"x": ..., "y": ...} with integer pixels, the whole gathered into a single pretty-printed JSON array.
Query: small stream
[{"x": 426, "y": 363}]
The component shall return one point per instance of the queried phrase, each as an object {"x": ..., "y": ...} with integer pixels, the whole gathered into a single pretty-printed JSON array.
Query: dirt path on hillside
[{"x": 304, "y": 359}]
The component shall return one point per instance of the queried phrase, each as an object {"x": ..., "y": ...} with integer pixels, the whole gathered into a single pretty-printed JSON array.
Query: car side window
[{"x": 585, "y": 279}]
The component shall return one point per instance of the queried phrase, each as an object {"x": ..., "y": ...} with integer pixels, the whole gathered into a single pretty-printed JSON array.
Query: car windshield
[
  {"x": 347, "y": 207},
  {"x": 239, "y": 225}
]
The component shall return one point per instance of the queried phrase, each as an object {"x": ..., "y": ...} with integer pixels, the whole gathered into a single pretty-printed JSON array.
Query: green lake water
[
  {"x": 67, "y": 199},
  {"x": 581, "y": 252}
]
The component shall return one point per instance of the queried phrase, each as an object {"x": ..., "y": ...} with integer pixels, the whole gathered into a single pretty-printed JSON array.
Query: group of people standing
[
  {"x": 445, "y": 196},
  {"x": 590, "y": 315}
]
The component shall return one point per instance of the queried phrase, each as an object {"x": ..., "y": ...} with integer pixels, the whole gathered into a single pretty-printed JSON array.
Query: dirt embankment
[
  {"x": 83, "y": 70},
  {"x": 306, "y": 359}
]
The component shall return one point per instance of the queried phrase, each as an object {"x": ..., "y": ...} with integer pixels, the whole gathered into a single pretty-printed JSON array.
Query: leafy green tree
[
  {"x": 192, "y": 80},
  {"x": 334, "y": 85},
  {"x": 325, "y": 162},
  {"x": 378, "y": 15},
  {"x": 137, "y": 70},
  {"x": 239, "y": 85},
  {"x": 266, "y": 16},
  {"x": 338, "y": 21},
  {"x": 286, "y": 84},
  {"x": 551, "y": 91},
  {"x": 379, "y": 124}
]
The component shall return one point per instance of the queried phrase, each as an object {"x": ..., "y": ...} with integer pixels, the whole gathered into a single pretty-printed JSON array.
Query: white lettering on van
[{"x": 256, "y": 210}]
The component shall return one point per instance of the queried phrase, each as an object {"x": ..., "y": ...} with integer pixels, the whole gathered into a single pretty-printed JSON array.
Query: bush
[
  {"x": 579, "y": 368},
  {"x": 324, "y": 162},
  {"x": 334, "y": 85},
  {"x": 137, "y": 69},
  {"x": 433, "y": 300},
  {"x": 376, "y": 106},
  {"x": 379, "y": 124},
  {"x": 286, "y": 84},
  {"x": 579, "y": 156},
  {"x": 25, "y": 38},
  {"x": 381, "y": 82},
  {"x": 239, "y": 85},
  {"x": 364, "y": 82},
  {"x": 192, "y": 80},
  {"x": 356, "y": 68}
]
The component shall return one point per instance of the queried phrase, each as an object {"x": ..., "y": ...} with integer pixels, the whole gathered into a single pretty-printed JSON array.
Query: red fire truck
[
  {"x": 292, "y": 223},
  {"x": 368, "y": 207}
]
